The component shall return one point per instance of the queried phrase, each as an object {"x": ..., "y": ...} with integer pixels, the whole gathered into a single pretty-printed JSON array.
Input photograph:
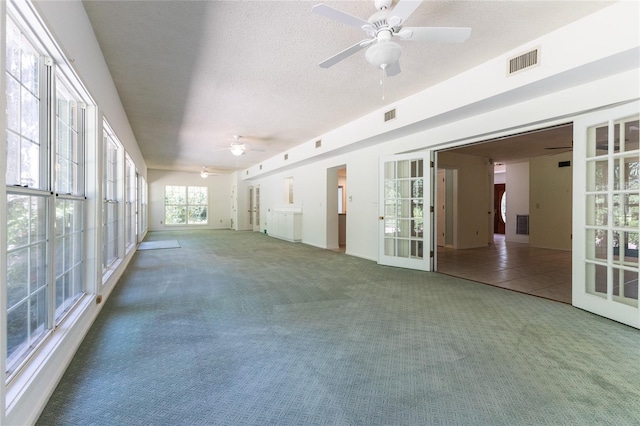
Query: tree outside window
[{"x": 185, "y": 205}]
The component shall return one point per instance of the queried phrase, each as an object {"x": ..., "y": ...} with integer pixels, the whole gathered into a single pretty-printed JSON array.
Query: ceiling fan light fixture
[
  {"x": 383, "y": 54},
  {"x": 237, "y": 150}
]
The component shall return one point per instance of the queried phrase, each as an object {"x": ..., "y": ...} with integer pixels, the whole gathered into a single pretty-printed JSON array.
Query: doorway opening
[
  {"x": 501, "y": 185},
  {"x": 337, "y": 200}
]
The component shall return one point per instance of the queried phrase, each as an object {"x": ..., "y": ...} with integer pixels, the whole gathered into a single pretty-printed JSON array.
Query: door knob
[{"x": 381, "y": 217}]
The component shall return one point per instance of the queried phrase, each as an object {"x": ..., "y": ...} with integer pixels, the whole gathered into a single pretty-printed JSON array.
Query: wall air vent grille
[
  {"x": 523, "y": 61},
  {"x": 522, "y": 224},
  {"x": 390, "y": 115}
]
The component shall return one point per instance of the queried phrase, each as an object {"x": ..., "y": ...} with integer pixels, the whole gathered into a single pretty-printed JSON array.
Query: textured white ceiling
[{"x": 191, "y": 74}]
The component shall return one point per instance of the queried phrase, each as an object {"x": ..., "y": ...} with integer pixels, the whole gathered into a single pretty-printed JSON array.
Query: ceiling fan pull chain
[{"x": 383, "y": 66}]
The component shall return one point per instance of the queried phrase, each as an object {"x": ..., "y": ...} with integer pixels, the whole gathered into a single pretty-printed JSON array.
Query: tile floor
[{"x": 515, "y": 266}]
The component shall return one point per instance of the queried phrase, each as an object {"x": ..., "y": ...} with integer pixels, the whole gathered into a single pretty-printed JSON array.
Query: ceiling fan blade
[
  {"x": 439, "y": 34},
  {"x": 393, "y": 69},
  {"x": 340, "y": 16},
  {"x": 403, "y": 10},
  {"x": 343, "y": 55}
]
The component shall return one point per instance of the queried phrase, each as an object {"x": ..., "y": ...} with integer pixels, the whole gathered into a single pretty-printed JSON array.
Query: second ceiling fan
[{"x": 384, "y": 25}]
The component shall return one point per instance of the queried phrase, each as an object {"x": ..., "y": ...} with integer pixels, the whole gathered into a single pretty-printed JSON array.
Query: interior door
[
  {"x": 606, "y": 211},
  {"x": 256, "y": 209},
  {"x": 405, "y": 206},
  {"x": 251, "y": 209}
]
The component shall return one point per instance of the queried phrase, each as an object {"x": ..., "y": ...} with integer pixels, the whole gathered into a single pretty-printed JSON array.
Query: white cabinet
[{"x": 285, "y": 223}]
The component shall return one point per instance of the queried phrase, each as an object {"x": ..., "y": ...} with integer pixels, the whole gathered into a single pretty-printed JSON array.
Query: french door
[
  {"x": 405, "y": 212},
  {"x": 254, "y": 208},
  {"x": 606, "y": 212}
]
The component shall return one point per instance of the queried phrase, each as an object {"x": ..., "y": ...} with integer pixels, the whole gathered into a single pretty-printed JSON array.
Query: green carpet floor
[{"x": 237, "y": 328}]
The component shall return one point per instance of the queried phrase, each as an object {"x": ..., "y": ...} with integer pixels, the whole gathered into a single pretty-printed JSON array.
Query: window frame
[
  {"x": 53, "y": 77},
  {"x": 111, "y": 201},
  {"x": 186, "y": 205}
]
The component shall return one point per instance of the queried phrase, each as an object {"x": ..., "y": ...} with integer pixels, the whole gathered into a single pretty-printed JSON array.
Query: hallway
[{"x": 514, "y": 266}]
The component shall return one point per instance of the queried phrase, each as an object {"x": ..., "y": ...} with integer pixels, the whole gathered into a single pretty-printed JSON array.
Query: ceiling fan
[
  {"x": 382, "y": 27},
  {"x": 237, "y": 148},
  {"x": 205, "y": 172}
]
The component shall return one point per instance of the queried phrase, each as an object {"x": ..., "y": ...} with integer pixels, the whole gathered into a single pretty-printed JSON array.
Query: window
[
  {"x": 130, "y": 203},
  {"x": 25, "y": 155},
  {"x": 110, "y": 213},
  {"x": 69, "y": 202},
  {"x": 27, "y": 284},
  {"x": 142, "y": 200},
  {"x": 45, "y": 193},
  {"x": 185, "y": 205},
  {"x": 27, "y": 201},
  {"x": 288, "y": 190}
]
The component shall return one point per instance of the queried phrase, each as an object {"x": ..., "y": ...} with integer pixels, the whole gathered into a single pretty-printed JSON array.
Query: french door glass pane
[
  {"x": 403, "y": 169},
  {"x": 631, "y": 135},
  {"x": 596, "y": 278},
  {"x": 628, "y": 179},
  {"x": 625, "y": 286},
  {"x": 597, "y": 244},
  {"x": 625, "y": 210},
  {"x": 597, "y": 175},
  {"x": 625, "y": 136},
  {"x": 403, "y": 248},
  {"x": 625, "y": 248},
  {"x": 597, "y": 212},
  {"x": 389, "y": 247},
  {"x": 598, "y": 140}
]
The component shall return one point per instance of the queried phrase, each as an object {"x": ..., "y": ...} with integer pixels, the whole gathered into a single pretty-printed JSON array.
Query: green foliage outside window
[{"x": 185, "y": 205}]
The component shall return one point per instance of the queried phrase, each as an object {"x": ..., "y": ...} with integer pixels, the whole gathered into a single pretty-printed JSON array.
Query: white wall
[
  {"x": 550, "y": 202},
  {"x": 219, "y": 212},
  {"x": 517, "y": 190},
  {"x": 473, "y": 198}
]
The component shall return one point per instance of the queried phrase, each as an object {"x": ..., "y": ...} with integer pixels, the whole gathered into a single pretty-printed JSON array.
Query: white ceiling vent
[
  {"x": 523, "y": 61},
  {"x": 390, "y": 115}
]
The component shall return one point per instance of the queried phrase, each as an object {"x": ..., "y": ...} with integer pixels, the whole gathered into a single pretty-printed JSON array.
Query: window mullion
[
  {"x": 82, "y": 137},
  {"x": 48, "y": 124}
]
